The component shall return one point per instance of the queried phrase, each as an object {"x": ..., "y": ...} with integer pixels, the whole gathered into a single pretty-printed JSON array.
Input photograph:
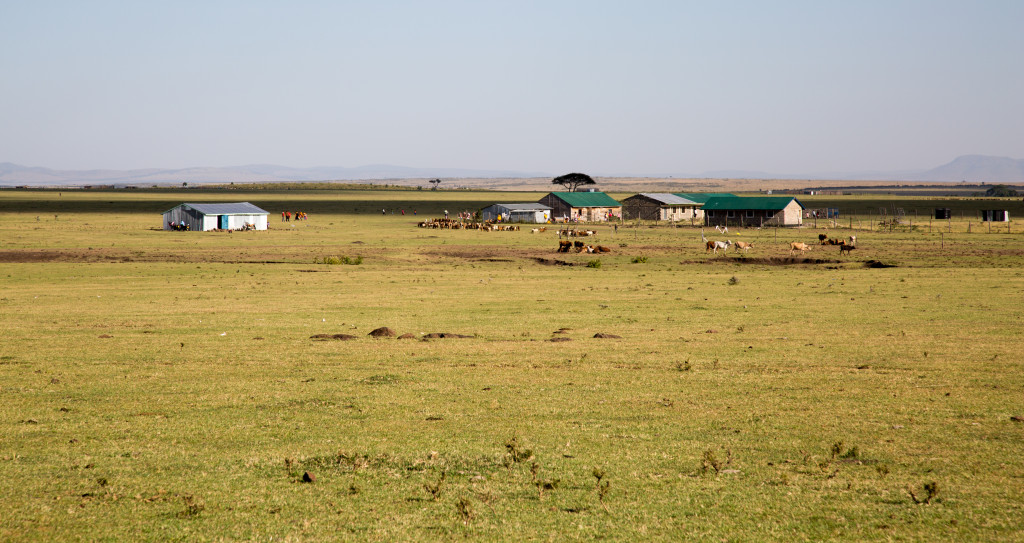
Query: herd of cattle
[
  {"x": 564, "y": 246},
  {"x": 454, "y": 224}
]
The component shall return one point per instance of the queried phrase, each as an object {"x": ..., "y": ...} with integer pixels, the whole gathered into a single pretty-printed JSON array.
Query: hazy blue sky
[{"x": 604, "y": 87}]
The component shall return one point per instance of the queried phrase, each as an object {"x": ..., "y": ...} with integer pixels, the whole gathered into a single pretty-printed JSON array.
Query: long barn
[{"x": 232, "y": 216}]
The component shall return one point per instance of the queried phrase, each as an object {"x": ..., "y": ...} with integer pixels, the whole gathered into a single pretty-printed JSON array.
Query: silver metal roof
[
  {"x": 237, "y": 208},
  {"x": 524, "y": 207},
  {"x": 668, "y": 199}
]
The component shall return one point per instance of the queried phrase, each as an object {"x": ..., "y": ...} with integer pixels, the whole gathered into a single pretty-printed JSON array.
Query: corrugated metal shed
[
  {"x": 216, "y": 216},
  {"x": 702, "y": 197}
]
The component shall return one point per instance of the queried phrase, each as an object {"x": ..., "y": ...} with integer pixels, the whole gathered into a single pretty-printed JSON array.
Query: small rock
[
  {"x": 560, "y": 339},
  {"x": 1017, "y": 418},
  {"x": 407, "y": 336},
  {"x": 711, "y": 331},
  {"x": 607, "y": 336},
  {"x": 383, "y": 331},
  {"x": 105, "y": 336},
  {"x": 308, "y": 477}
]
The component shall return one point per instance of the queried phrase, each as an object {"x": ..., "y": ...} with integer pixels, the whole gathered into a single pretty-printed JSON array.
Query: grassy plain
[{"x": 163, "y": 385}]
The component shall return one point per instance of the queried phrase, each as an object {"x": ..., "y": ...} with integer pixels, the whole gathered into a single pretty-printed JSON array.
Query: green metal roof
[
  {"x": 750, "y": 202},
  {"x": 703, "y": 197},
  {"x": 587, "y": 199}
]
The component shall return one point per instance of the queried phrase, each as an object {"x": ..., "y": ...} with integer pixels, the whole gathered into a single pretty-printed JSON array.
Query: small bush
[
  {"x": 594, "y": 263},
  {"x": 334, "y": 260},
  {"x": 639, "y": 260},
  {"x": 733, "y": 280}
]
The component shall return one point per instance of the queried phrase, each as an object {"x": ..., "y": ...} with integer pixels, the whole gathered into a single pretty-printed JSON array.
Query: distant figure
[
  {"x": 282, "y": 215},
  {"x": 414, "y": 212},
  {"x": 446, "y": 214},
  {"x": 403, "y": 212},
  {"x": 384, "y": 211}
]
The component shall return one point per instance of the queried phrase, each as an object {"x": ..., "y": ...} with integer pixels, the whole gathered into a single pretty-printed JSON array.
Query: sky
[{"x": 644, "y": 87}]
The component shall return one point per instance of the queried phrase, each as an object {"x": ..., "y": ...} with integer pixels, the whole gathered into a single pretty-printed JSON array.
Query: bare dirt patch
[{"x": 324, "y": 337}]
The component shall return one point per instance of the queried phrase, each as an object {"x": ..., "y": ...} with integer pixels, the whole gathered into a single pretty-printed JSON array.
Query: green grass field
[{"x": 164, "y": 385}]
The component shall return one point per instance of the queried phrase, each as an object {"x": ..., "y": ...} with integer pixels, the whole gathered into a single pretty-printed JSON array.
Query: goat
[
  {"x": 846, "y": 248},
  {"x": 853, "y": 240},
  {"x": 798, "y": 246},
  {"x": 743, "y": 245},
  {"x": 716, "y": 245},
  {"x": 722, "y": 229}
]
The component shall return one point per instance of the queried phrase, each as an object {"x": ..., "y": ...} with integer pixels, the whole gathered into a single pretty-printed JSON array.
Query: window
[
  {"x": 730, "y": 214},
  {"x": 750, "y": 213},
  {"x": 711, "y": 213}
]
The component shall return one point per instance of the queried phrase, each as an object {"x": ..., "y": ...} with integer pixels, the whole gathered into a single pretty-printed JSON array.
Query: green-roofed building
[
  {"x": 702, "y": 197},
  {"x": 753, "y": 211},
  {"x": 582, "y": 206}
]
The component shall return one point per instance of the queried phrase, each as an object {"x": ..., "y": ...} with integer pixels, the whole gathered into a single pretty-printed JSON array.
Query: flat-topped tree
[
  {"x": 572, "y": 181},
  {"x": 434, "y": 182}
]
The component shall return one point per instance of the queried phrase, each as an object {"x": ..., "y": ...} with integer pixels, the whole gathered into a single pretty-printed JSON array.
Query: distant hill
[
  {"x": 978, "y": 169},
  {"x": 969, "y": 168},
  {"x": 13, "y": 175}
]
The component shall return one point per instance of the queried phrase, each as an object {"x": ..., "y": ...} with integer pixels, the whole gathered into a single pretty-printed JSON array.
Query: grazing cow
[
  {"x": 716, "y": 245},
  {"x": 845, "y": 247},
  {"x": 564, "y": 246},
  {"x": 798, "y": 246},
  {"x": 743, "y": 245},
  {"x": 822, "y": 238},
  {"x": 578, "y": 245},
  {"x": 853, "y": 240}
]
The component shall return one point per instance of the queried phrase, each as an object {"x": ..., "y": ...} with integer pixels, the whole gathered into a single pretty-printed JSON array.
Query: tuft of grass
[
  {"x": 930, "y": 491},
  {"x": 193, "y": 506},
  {"x": 335, "y": 260},
  {"x": 639, "y": 260}
]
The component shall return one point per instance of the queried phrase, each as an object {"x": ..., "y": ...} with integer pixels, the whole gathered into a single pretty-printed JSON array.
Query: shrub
[
  {"x": 594, "y": 263},
  {"x": 639, "y": 260},
  {"x": 334, "y": 260}
]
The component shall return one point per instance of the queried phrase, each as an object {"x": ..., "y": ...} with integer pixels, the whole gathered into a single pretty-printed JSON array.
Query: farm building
[
  {"x": 582, "y": 206},
  {"x": 659, "y": 206},
  {"x": 995, "y": 215},
  {"x": 703, "y": 197},
  {"x": 753, "y": 211},
  {"x": 234, "y": 216},
  {"x": 529, "y": 213}
]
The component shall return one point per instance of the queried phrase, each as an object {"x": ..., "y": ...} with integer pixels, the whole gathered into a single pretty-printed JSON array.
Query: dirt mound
[
  {"x": 606, "y": 336},
  {"x": 877, "y": 264},
  {"x": 407, "y": 336},
  {"x": 383, "y": 331},
  {"x": 559, "y": 339},
  {"x": 443, "y": 335},
  {"x": 341, "y": 337}
]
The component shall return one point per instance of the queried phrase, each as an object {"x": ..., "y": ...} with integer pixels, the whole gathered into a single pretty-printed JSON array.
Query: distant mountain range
[{"x": 969, "y": 168}]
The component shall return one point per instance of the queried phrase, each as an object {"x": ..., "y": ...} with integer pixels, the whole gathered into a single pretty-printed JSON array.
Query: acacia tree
[
  {"x": 573, "y": 181},
  {"x": 434, "y": 182}
]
